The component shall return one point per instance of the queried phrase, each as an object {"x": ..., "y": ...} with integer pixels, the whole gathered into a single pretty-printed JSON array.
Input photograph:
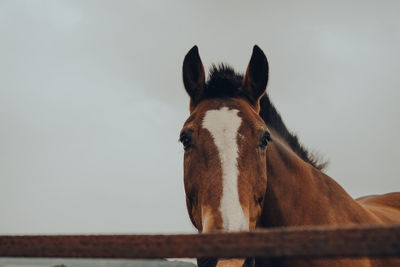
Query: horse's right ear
[
  {"x": 256, "y": 78},
  {"x": 193, "y": 75}
]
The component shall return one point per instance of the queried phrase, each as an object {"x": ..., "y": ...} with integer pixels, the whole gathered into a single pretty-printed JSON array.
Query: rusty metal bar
[{"x": 326, "y": 242}]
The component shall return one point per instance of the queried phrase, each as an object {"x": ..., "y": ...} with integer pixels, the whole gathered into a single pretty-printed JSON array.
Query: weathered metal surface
[{"x": 343, "y": 241}]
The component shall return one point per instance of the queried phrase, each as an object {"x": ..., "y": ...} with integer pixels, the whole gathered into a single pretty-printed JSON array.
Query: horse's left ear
[
  {"x": 193, "y": 75},
  {"x": 256, "y": 78}
]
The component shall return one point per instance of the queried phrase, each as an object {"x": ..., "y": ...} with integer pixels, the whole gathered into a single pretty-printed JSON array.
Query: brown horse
[{"x": 243, "y": 169}]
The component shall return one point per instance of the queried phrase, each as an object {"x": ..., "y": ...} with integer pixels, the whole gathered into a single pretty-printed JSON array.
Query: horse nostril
[
  {"x": 207, "y": 262},
  {"x": 249, "y": 263}
]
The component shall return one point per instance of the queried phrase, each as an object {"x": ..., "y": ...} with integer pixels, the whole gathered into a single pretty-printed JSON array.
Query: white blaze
[{"x": 223, "y": 124}]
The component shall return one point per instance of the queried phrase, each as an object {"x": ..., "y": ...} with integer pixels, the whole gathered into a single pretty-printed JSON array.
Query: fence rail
[{"x": 293, "y": 242}]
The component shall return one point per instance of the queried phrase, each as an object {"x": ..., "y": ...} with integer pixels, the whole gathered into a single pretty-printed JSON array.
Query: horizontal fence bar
[{"x": 290, "y": 242}]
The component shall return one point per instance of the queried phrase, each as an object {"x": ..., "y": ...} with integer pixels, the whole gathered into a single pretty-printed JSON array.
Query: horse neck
[{"x": 299, "y": 194}]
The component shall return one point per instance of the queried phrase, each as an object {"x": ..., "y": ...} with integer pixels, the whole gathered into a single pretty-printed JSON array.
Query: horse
[{"x": 243, "y": 169}]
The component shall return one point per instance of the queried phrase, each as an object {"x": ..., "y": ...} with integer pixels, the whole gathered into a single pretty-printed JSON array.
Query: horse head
[{"x": 225, "y": 142}]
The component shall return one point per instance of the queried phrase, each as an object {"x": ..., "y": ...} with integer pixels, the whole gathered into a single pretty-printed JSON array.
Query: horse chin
[{"x": 225, "y": 262}]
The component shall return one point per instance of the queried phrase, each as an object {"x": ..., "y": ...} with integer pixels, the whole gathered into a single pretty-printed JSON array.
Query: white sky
[{"x": 91, "y": 101}]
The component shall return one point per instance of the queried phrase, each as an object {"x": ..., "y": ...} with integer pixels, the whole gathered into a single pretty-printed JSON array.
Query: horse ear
[
  {"x": 256, "y": 77},
  {"x": 193, "y": 74}
]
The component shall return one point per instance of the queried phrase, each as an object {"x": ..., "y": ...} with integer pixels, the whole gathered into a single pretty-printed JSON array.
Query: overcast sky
[{"x": 92, "y": 102}]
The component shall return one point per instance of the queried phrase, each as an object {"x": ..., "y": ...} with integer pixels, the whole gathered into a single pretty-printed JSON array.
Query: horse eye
[
  {"x": 264, "y": 140},
  {"x": 186, "y": 141}
]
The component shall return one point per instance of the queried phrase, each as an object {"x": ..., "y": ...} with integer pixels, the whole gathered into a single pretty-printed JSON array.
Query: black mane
[{"x": 223, "y": 82}]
